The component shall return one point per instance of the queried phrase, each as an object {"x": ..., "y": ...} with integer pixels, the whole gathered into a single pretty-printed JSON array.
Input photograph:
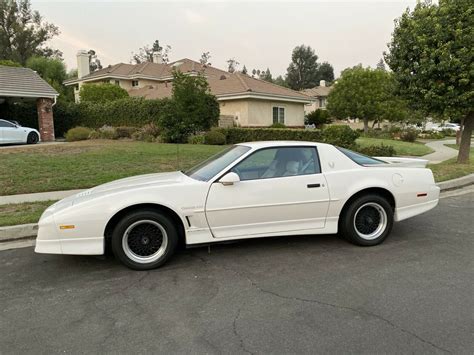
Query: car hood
[{"x": 131, "y": 183}]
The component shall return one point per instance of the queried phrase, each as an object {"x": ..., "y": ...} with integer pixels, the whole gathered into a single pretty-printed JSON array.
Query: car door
[
  {"x": 11, "y": 133},
  {"x": 280, "y": 190}
]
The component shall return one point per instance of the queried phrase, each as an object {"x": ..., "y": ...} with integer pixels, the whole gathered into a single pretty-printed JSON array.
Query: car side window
[
  {"x": 4, "y": 124},
  {"x": 278, "y": 162}
]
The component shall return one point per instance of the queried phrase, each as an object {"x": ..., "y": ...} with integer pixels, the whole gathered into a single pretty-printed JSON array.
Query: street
[{"x": 318, "y": 294}]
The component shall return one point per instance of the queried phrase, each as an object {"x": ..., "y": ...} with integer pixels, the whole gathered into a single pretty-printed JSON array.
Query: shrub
[
  {"x": 214, "y": 137},
  {"x": 124, "y": 132},
  {"x": 196, "y": 139},
  {"x": 277, "y": 125},
  {"x": 78, "y": 134},
  {"x": 101, "y": 93},
  {"x": 338, "y": 135},
  {"x": 148, "y": 133},
  {"x": 409, "y": 135},
  {"x": 377, "y": 150},
  {"x": 318, "y": 118},
  {"x": 342, "y": 136}
]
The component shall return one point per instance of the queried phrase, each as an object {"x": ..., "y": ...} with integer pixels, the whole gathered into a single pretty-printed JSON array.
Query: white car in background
[
  {"x": 250, "y": 190},
  {"x": 453, "y": 126},
  {"x": 12, "y": 132}
]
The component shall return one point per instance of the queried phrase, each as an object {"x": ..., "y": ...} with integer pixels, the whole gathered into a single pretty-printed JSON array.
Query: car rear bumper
[{"x": 426, "y": 203}]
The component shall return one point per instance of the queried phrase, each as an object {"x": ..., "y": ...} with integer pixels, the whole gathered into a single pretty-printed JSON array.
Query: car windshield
[
  {"x": 210, "y": 167},
  {"x": 360, "y": 159}
]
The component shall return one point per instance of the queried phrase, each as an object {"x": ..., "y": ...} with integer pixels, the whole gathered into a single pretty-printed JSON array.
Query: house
[
  {"x": 319, "y": 96},
  {"x": 24, "y": 84},
  {"x": 247, "y": 101}
]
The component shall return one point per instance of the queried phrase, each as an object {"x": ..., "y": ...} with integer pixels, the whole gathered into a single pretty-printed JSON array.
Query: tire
[
  {"x": 32, "y": 138},
  {"x": 367, "y": 221},
  {"x": 144, "y": 239}
]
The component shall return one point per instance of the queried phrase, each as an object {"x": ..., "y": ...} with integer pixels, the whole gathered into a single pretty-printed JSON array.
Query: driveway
[{"x": 413, "y": 294}]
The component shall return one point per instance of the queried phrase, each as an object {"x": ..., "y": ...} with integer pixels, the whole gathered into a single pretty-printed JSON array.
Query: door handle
[{"x": 312, "y": 186}]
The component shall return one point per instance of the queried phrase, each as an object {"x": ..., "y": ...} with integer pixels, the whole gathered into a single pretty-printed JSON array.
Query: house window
[
  {"x": 117, "y": 82},
  {"x": 279, "y": 115},
  {"x": 322, "y": 102},
  {"x": 134, "y": 83}
]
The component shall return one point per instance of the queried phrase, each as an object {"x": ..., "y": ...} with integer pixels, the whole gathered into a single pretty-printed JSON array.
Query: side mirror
[{"x": 229, "y": 179}]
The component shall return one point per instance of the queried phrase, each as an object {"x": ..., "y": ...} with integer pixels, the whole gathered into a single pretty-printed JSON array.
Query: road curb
[
  {"x": 22, "y": 231},
  {"x": 456, "y": 183},
  {"x": 28, "y": 231}
]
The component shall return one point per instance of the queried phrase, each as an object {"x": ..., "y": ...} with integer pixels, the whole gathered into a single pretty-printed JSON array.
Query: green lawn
[
  {"x": 449, "y": 169},
  {"x": 89, "y": 163},
  {"x": 402, "y": 148},
  {"x": 21, "y": 213}
]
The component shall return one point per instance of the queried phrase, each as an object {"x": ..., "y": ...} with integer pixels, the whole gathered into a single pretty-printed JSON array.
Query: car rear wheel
[
  {"x": 32, "y": 138},
  {"x": 367, "y": 221},
  {"x": 144, "y": 239}
]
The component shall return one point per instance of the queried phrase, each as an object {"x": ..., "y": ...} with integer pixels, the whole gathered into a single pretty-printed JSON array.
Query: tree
[
  {"x": 145, "y": 53},
  {"x": 381, "y": 64},
  {"x": 24, "y": 33},
  {"x": 205, "y": 57},
  {"x": 54, "y": 72},
  {"x": 232, "y": 65},
  {"x": 192, "y": 108},
  {"x": 244, "y": 70},
  {"x": 280, "y": 81},
  {"x": 325, "y": 72},
  {"x": 101, "y": 92},
  {"x": 266, "y": 75},
  {"x": 9, "y": 63},
  {"x": 302, "y": 72},
  {"x": 318, "y": 117},
  {"x": 431, "y": 55},
  {"x": 366, "y": 94},
  {"x": 254, "y": 72}
]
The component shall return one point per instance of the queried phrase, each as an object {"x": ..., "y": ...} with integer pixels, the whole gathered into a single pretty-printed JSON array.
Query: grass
[
  {"x": 402, "y": 148},
  {"x": 449, "y": 169},
  {"x": 89, "y": 163},
  {"x": 22, "y": 213}
]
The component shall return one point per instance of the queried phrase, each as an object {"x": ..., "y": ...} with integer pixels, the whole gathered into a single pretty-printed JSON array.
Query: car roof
[{"x": 267, "y": 144}]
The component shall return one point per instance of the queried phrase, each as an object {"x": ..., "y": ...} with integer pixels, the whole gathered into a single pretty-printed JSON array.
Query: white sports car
[
  {"x": 249, "y": 190},
  {"x": 12, "y": 132}
]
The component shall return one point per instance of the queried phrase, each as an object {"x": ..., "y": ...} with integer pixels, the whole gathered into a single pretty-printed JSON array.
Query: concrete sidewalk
[
  {"x": 441, "y": 151},
  {"x": 40, "y": 196}
]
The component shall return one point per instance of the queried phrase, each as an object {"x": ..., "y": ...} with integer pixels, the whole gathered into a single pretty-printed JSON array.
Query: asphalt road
[{"x": 413, "y": 294}]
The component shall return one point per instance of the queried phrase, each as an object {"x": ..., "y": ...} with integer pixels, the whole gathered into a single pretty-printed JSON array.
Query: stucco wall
[
  {"x": 261, "y": 113},
  {"x": 237, "y": 108}
]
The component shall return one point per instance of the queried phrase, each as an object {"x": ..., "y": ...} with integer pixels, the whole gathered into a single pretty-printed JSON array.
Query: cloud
[{"x": 193, "y": 17}]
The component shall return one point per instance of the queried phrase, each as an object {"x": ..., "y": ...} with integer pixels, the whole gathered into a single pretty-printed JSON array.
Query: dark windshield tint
[
  {"x": 360, "y": 159},
  {"x": 212, "y": 166}
]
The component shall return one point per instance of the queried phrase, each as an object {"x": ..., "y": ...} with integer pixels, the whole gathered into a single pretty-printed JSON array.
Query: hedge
[
  {"x": 342, "y": 136},
  {"x": 135, "y": 112}
]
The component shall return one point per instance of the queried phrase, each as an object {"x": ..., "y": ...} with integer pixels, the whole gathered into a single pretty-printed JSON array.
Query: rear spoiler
[{"x": 404, "y": 162}]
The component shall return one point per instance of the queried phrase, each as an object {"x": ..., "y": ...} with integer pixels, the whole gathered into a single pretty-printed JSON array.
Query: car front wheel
[
  {"x": 32, "y": 138},
  {"x": 144, "y": 240},
  {"x": 367, "y": 221}
]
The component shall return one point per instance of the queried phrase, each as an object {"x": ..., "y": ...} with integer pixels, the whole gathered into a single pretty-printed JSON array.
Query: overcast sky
[{"x": 259, "y": 34}]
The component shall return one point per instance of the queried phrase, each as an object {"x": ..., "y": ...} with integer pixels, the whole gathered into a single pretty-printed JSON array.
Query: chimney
[
  {"x": 322, "y": 83},
  {"x": 82, "y": 63},
  {"x": 157, "y": 58}
]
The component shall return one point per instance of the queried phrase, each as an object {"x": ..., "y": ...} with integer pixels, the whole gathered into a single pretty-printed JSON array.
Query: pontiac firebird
[{"x": 249, "y": 190}]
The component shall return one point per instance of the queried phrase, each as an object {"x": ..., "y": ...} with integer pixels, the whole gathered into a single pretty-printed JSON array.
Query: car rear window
[{"x": 360, "y": 159}]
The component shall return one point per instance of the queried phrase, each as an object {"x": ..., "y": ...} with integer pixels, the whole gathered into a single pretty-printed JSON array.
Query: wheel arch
[
  {"x": 371, "y": 190},
  {"x": 150, "y": 206}
]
